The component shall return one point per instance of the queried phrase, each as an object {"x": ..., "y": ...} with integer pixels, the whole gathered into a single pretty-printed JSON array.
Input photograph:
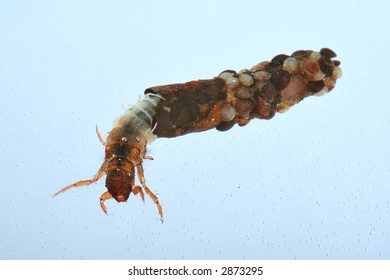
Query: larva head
[
  {"x": 120, "y": 169},
  {"x": 119, "y": 183}
]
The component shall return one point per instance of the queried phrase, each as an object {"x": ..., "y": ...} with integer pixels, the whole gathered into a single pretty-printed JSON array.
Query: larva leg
[
  {"x": 148, "y": 157},
  {"x": 97, "y": 176},
  {"x": 141, "y": 178},
  {"x": 100, "y": 136},
  {"x": 137, "y": 190},
  {"x": 104, "y": 197}
]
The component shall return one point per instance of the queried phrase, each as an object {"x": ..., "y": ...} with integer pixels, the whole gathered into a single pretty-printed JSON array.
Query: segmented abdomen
[
  {"x": 135, "y": 125},
  {"x": 126, "y": 146}
]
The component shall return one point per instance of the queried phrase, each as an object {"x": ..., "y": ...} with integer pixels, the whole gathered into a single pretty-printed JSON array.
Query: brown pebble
[
  {"x": 328, "y": 52},
  {"x": 326, "y": 67},
  {"x": 265, "y": 92},
  {"x": 265, "y": 98},
  {"x": 315, "y": 86},
  {"x": 265, "y": 111},
  {"x": 311, "y": 66},
  {"x": 279, "y": 59},
  {"x": 224, "y": 126},
  {"x": 280, "y": 79},
  {"x": 242, "y": 92},
  {"x": 301, "y": 53},
  {"x": 242, "y": 122},
  {"x": 312, "y": 70},
  {"x": 244, "y": 106}
]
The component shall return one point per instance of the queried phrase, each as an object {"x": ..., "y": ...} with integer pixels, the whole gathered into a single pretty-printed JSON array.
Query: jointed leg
[
  {"x": 141, "y": 178},
  {"x": 97, "y": 176},
  {"x": 107, "y": 195},
  {"x": 137, "y": 190},
  {"x": 104, "y": 197},
  {"x": 100, "y": 136},
  {"x": 148, "y": 157}
]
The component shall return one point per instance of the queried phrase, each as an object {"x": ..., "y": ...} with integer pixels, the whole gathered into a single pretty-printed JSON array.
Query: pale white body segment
[{"x": 137, "y": 120}]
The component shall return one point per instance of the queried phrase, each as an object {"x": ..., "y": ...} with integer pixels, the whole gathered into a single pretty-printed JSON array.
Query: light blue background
[{"x": 312, "y": 183}]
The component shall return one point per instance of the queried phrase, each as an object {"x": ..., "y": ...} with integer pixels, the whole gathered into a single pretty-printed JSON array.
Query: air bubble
[
  {"x": 137, "y": 139},
  {"x": 124, "y": 139}
]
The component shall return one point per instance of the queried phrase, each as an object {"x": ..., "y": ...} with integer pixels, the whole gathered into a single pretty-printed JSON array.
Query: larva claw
[
  {"x": 139, "y": 190},
  {"x": 104, "y": 197}
]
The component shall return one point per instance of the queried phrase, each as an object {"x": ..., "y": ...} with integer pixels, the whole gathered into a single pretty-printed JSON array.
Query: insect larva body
[
  {"x": 125, "y": 150},
  {"x": 136, "y": 123},
  {"x": 228, "y": 99}
]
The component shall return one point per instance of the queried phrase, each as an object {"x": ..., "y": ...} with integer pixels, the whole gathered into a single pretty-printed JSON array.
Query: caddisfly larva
[
  {"x": 125, "y": 149},
  {"x": 228, "y": 99}
]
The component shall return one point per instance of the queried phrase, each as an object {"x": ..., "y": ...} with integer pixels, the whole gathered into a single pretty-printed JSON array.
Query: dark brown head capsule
[
  {"x": 120, "y": 171},
  {"x": 119, "y": 184}
]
